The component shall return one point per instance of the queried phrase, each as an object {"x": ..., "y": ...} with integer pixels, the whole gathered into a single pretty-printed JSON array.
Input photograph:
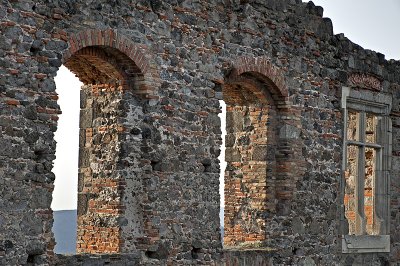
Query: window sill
[{"x": 365, "y": 244}]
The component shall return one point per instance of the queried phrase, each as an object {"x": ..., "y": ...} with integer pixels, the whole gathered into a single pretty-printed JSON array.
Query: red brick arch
[
  {"x": 111, "y": 66},
  {"x": 257, "y": 96},
  {"x": 261, "y": 68},
  {"x": 133, "y": 56}
]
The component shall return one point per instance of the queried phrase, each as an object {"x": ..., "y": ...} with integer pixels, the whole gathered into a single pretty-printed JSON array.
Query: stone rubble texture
[{"x": 154, "y": 72}]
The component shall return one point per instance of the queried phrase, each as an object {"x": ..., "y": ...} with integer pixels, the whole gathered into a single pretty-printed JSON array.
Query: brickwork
[
  {"x": 168, "y": 63},
  {"x": 270, "y": 75},
  {"x": 100, "y": 186},
  {"x": 246, "y": 175},
  {"x": 251, "y": 125},
  {"x": 104, "y": 207},
  {"x": 117, "y": 57}
]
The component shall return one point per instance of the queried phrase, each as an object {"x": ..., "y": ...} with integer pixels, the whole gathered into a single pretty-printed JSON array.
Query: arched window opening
[
  {"x": 251, "y": 143},
  {"x": 108, "y": 198}
]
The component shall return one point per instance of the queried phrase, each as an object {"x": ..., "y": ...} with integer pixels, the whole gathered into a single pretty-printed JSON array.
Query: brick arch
[
  {"x": 252, "y": 117},
  {"x": 132, "y": 58},
  {"x": 93, "y": 64},
  {"x": 263, "y": 70},
  {"x": 245, "y": 90},
  {"x": 109, "y": 64},
  {"x": 258, "y": 107}
]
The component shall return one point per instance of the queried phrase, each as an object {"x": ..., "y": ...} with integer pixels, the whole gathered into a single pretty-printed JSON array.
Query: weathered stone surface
[
  {"x": 289, "y": 132},
  {"x": 154, "y": 72}
]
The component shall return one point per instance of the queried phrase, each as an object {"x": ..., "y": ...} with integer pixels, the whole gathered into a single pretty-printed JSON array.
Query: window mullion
[
  {"x": 361, "y": 221},
  {"x": 378, "y": 190},
  {"x": 342, "y": 184}
]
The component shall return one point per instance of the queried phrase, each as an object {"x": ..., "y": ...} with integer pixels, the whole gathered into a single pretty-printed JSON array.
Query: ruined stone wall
[
  {"x": 183, "y": 54},
  {"x": 251, "y": 142},
  {"x": 246, "y": 175},
  {"x": 100, "y": 186}
]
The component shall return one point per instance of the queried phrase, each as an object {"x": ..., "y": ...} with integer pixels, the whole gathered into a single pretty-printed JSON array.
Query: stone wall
[
  {"x": 174, "y": 61},
  {"x": 251, "y": 126},
  {"x": 100, "y": 186},
  {"x": 246, "y": 175}
]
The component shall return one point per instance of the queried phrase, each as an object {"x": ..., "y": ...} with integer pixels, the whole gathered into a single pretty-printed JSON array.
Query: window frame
[{"x": 379, "y": 104}]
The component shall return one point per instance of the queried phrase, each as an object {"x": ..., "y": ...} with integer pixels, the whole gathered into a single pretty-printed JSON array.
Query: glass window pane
[
  {"x": 352, "y": 125},
  {"x": 369, "y": 182},
  {"x": 370, "y": 128},
  {"x": 350, "y": 200}
]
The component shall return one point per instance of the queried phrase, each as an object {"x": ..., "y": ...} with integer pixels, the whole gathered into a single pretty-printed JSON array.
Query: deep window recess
[
  {"x": 105, "y": 189},
  {"x": 366, "y": 165},
  {"x": 251, "y": 142}
]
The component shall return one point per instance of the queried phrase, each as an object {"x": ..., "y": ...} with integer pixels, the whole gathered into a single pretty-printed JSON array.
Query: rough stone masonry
[{"x": 154, "y": 73}]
